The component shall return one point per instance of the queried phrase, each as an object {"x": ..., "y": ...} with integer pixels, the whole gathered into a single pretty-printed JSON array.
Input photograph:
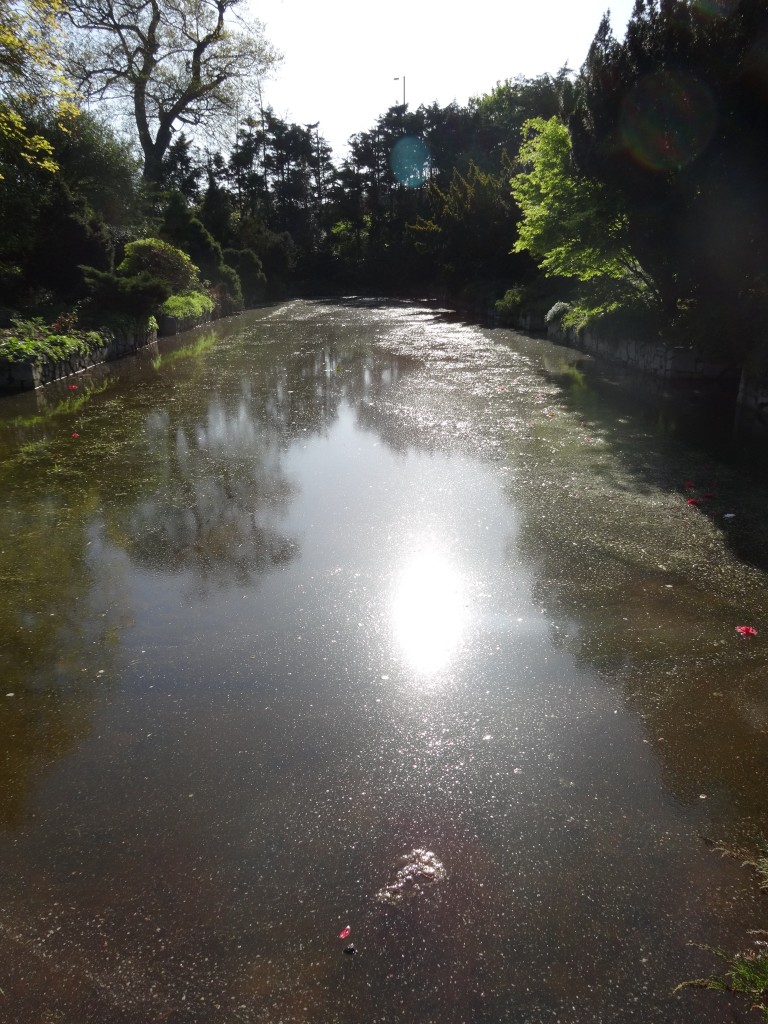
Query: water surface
[{"x": 285, "y": 601}]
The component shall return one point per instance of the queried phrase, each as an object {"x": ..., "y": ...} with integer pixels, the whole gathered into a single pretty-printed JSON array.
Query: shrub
[
  {"x": 252, "y": 277},
  {"x": 133, "y": 297},
  {"x": 187, "y": 304},
  {"x": 277, "y": 253},
  {"x": 35, "y": 340},
  {"x": 180, "y": 227},
  {"x": 161, "y": 261},
  {"x": 510, "y": 306},
  {"x": 227, "y": 289},
  {"x": 150, "y": 273},
  {"x": 557, "y": 312}
]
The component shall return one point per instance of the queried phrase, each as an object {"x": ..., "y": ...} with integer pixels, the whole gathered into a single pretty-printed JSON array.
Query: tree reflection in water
[{"x": 180, "y": 480}]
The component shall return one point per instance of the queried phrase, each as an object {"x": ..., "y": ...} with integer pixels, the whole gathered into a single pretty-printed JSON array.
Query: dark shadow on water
[{"x": 670, "y": 436}]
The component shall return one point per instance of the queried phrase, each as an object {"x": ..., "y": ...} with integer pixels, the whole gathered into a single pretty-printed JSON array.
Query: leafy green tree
[
  {"x": 570, "y": 223},
  {"x": 247, "y": 169},
  {"x": 451, "y": 134},
  {"x": 182, "y": 228},
  {"x": 501, "y": 114},
  {"x": 31, "y": 78},
  {"x": 217, "y": 208},
  {"x": 68, "y": 233},
  {"x": 176, "y": 62},
  {"x": 52, "y": 223}
]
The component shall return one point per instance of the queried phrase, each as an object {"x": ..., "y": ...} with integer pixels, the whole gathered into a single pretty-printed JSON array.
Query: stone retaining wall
[
  {"x": 646, "y": 356},
  {"x": 753, "y": 397},
  {"x": 24, "y": 376},
  {"x": 175, "y": 324}
]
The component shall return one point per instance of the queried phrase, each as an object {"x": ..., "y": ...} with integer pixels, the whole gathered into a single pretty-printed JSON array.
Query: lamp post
[
  {"x": 318, "y": 179},
  {"x": 397, "y": 79}
]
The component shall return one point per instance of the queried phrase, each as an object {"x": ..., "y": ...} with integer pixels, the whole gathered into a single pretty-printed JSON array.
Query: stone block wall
[
  {"x": 753, "y": 396},
  {"x": 649, "y": 357},
  {"x": 26, "y": 375},
  {"x": 175, "y": 325}
]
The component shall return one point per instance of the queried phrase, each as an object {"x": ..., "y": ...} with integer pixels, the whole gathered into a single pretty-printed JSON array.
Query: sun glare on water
[{"x": 428, "y": 613}]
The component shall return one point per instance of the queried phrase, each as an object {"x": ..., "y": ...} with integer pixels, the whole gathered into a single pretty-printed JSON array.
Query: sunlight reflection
[{"x": 428, "y": 610}]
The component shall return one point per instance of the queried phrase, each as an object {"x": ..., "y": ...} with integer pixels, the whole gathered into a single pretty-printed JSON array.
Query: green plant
[
  {"x": 160, "y": 261},
  {"x": 35, "y": 341},
  {"x": 760, "y": 866},
  {"x": 226, "y": 282},
  {"x": 187, "y": 304},
  {"x": 252, "y": 278},
  {"x": 126, "y": 300},
  {"x": 612, "y": 316},
  {"x": 582, "y": 315},
  {"x": 747, "y": 975},
  {"x": 510, "y": 306},
  {"x": 757, "y": 861}
]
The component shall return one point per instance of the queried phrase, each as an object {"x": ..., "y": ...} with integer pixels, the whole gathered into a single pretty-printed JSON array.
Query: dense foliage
[
  {"x": 187, "y": 305},
  {"x": 34, "y": 340},
  {"x": 31, "y": 78},
  {"x": 673, "y": 123},
  {"x": 631, "y": 194}
]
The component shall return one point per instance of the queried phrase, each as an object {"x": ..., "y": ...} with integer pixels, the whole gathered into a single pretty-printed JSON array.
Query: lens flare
[
  {"x": 410, "y": 161},
  {"x": 716, "y": 8},
  {"x": 668, "y": 119}
]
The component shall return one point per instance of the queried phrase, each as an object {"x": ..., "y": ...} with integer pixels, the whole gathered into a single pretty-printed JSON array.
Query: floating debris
[
  {"x": 746, "y": 631},
  {"x": 351, "y": 949},
  {"x": 344, "y": 933},
  {"x": 420, "y": 870}
]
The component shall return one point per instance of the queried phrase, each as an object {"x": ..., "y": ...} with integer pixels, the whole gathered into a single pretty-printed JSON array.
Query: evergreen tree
[{"x": 673, "y": 123}]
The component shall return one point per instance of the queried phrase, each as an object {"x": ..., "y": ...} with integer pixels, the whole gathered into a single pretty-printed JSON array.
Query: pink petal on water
[
  {"x": 747, "y": 631},
  {"x": 344, "y": 933}
]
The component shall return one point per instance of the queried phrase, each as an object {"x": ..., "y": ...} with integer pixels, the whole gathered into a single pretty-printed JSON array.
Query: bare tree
[{"x": 170, "y": 61}]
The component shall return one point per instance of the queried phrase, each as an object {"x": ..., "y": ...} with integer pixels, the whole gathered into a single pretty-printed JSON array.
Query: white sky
[{"x": 341, "y": 56}]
